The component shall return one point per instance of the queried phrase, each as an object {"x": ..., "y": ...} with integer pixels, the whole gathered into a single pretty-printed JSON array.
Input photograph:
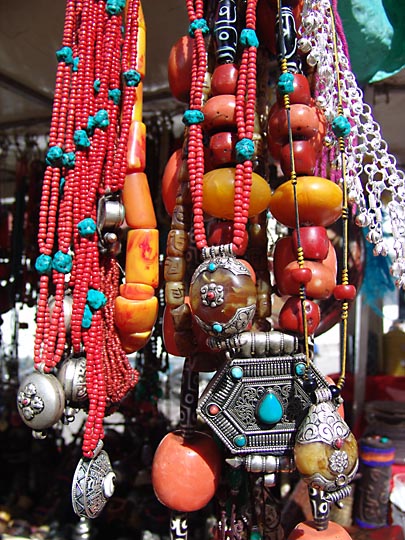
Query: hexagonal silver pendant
[{"x": 255, "y": 405}]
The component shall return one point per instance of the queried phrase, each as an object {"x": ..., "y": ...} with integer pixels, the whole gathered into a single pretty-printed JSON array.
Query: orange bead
[
  {"x": 185, "y": 472},
  {"x": 179, "y": 68},
  {"x": 142, "y": 262},
  {"x": 219, "y": 113},
  {"x": 136, "y": 154},
  {"x": 219, "y": 189},
  {"x": 138, "y": 106},
  {"x": 136, "y": 291},
  {"x": 304, "y": 122},
  {"x": 141, "y": 51},
  {"x": 134, "y": 342},
  {"x": 135, "y": 315},
  {"x": 319, "y": 202},
  {"x": 307, "y": 531},
  {"x": 170, "y": 180},
  {"x": 139, "y": 209}
]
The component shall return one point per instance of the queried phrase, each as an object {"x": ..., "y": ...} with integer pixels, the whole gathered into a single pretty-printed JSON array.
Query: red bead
[
  {"x": 304, "y": 158},
  {"x": 301, "y": 275},
  {"x": 314, "y": 242},
  {"x": 301, "y": 92},
  {"x": 222, "y": 148},
  {"x": 219, "y": 113},
  {"x": 344, "y": 292},
  {"x": 290, "y": 317},
  {"x": 224, "y": 79},
  {"x": 303, "y": 119}
]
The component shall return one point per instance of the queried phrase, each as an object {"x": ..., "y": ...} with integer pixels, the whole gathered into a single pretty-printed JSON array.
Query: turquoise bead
[
  {"x": 217, "y": 328},
  {"x": 269, "y": 409},
  {"x": 240, "y": 440}
]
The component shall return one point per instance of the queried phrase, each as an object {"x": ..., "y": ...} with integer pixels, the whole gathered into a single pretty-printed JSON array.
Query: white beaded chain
[{"x": 370, "y": 168}]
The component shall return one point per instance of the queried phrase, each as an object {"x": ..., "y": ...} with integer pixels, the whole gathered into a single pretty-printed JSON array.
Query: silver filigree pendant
[
  {"x": 93, "y": 484},
  {"x": 40, "y": 400},
  {"x": 72, "y": 376}
]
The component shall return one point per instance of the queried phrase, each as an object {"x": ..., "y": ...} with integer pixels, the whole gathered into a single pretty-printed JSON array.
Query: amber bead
[
  {"x": 137, "y": 200},
  {"x": 136, "y": 155},
  {"x": 135, "y": 315},
  {"x": 224, "y": 79},
  {"x": 314, "y": 242},
  {"x": 319, "y": 202},
  {"x": 134, "y": 342},
  {"x": 140, "y": 65},
  {"x": 263, "y": 305},
  {"x": 137, "y": 111},
  {"x": 170, "y": 181},
  {"x": 219, "y": 191},
  {"x": 222, "y": 148},
  {"x": 314, "y": 457},
  {"x": 304, "y": 158},
  {"x": 142, "y": 262},
  {"x": 136, "y": 291},
  {"x": 219, "y": 113}
]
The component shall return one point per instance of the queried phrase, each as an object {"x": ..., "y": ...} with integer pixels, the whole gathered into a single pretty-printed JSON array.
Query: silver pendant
[
  {"x": 72, "y": 376},
  {"x": 40, "y": 400},
  {"x": 93, "y": 484},
  {"x": 254, "y": 405}
]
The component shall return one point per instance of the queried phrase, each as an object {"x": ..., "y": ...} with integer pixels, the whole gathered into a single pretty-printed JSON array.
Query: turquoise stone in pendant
[
  {"x": 212, "y": 267},
  {"x": 236, "y": 372},
  {"x": 240, "y": 440},
  {"x": 269, "y": 409}
]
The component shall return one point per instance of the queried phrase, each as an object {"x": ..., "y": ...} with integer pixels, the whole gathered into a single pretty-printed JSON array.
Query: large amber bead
[
  {"x": 136, "y": 154},
  {"x": 142, "y": 263},
  {"x": 318, "y": 457},
  {"x": 134, "y": 316},
  {"x": 219, "y": 192},
  {"x": 139, "y": 210},
  {"x": 222, "y": 299},
  {"x": 319, "y": 202}
]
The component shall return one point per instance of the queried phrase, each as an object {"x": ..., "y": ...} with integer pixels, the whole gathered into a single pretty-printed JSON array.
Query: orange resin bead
[
  {"x": 137, "y": 111},
  {"x": 136, "y": 155},
  {"x": 134, "y": 342},
  {"x": 142, "y": 263},
  {"x": 136, "y": 291},
  {"x": 219, "y": 190},
  {"x": 319, "y": 202},
  {"x": 135, "y": 315},
  {"x": 308, "y": 531},
  {"x": 141, "y": 51},
  {"x": 139, "y": 210},
  {"x": 186, "y": 472}
]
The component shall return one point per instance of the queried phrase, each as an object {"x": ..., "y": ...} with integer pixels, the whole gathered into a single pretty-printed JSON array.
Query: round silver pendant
[
  {"x": 72, "y": 376},
  {"x": 93, "y": 485},
  {"x": 40, "y": 400}
]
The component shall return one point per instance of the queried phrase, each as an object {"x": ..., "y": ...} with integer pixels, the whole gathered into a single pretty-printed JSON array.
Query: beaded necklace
[{"x": 86, "y": 163}]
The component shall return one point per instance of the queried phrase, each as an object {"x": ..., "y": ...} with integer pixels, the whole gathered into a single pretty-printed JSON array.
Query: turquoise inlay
[
  {"x": 240, "y": 440},
  {"x": 217, "y": 328},
  {"x": 237, "y": 372},
  {"x": 269, "y": 409},
  {"x": 300, "y": 369},
  {"x": 212, "y": 267}
]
